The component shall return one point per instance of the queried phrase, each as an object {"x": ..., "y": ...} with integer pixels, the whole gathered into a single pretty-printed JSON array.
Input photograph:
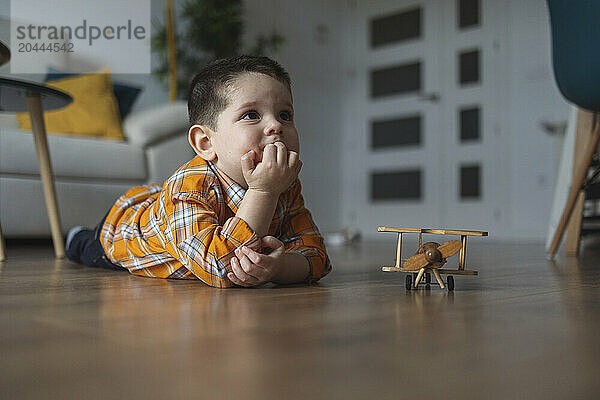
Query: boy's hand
[
  {"x": 276, "y": 172},
  {"x": 252, "y": 269}
]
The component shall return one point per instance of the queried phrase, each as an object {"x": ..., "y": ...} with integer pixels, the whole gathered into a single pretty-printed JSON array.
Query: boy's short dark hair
[{"x": 208, "y": 96}]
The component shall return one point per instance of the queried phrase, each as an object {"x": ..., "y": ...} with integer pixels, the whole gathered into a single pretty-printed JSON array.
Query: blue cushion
[{"x": 124, "y": 93}]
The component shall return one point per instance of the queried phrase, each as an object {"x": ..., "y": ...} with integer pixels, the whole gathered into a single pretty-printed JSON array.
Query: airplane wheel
[
  {"x": 450, "y": 283},
  {"x": 408, "y": 282},
  {"x": 428, "y": 278}
]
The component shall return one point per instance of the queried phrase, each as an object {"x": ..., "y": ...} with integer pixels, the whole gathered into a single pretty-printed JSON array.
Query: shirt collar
[{"x": 234, "y": 192}]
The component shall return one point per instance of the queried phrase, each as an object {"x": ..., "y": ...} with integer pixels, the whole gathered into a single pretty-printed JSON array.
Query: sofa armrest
[
  {"x": 145, "y": 127},
  {"x": 8, "y": 121},
  {"x": 166, "y": 156}
]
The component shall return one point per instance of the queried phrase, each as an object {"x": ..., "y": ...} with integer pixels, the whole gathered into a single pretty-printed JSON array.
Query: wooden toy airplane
[{"x": 431, "y": 256}]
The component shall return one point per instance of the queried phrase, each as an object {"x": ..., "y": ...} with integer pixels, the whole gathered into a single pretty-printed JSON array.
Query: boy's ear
[{"x": 199, "y": 138}]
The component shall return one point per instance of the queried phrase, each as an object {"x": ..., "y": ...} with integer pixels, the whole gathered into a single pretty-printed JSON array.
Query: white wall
[
  {"x": 533, "y": 98},
  {"x": 313, "y": 62}
]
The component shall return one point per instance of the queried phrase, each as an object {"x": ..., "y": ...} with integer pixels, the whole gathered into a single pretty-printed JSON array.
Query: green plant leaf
[{"x": 206, "y": 30}]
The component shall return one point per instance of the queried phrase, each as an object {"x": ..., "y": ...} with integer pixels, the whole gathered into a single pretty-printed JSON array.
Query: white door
[
  {"x": 421, "y": 143},
  {"x": 474, "y": 153}
]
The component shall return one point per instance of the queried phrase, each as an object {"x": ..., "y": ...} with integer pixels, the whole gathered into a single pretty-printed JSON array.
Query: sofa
[{"x": 90, "y": 174}]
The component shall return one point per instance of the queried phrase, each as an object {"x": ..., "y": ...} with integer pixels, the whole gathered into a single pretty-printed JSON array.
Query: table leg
[
  {"x": 36, "y": 115},
  {"x": 2, "y": 246}
]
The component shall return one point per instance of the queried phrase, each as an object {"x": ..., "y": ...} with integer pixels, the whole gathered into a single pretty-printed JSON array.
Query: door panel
[{"x": 455, "y": 182}]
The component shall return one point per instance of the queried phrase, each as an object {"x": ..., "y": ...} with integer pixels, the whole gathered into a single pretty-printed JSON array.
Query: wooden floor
[{"x": 525, "y": 328}]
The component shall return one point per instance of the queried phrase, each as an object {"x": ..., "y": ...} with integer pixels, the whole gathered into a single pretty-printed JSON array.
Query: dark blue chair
[{"x": 575, "y": 26}]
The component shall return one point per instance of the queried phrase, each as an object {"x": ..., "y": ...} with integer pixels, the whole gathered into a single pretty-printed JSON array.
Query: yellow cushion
[{"x": 94, "y": 111}]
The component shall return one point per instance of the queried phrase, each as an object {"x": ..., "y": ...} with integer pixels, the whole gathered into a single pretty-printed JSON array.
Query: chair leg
[
  {"x": 578, "y": 180},
  {"x": 583, "y": 129},
  {"x": 574, "y": 227}
]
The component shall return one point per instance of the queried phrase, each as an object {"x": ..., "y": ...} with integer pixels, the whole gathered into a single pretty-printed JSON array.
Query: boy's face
[{"x": 260, "y": 112}]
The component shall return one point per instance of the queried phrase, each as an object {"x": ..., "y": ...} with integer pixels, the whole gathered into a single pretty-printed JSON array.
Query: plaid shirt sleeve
[
  {"x": 203, "y": 245},
  {"x": 301, "y": 235}
]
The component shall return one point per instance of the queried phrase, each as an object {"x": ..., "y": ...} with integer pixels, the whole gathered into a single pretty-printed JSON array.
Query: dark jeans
[{"x": 85, "y": 248}]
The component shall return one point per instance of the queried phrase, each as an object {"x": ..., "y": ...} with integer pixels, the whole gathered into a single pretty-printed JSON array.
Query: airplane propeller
[{"x": 432, "y": 255}]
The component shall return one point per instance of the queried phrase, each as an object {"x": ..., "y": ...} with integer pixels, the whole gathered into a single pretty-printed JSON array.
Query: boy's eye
[
  {"x": 251, "y": 115},
  {"x": 286, "y": 116}
]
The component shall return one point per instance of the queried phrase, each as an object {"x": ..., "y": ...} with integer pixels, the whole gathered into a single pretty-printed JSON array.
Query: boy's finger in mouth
[{"x": 260, "y": 151}]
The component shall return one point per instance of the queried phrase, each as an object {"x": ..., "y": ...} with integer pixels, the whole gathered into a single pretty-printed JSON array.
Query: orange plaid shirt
[{"x": 187, "y": 229}]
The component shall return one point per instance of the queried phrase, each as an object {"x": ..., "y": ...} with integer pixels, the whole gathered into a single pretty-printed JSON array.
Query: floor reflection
[{"x": 165, "y": 311}]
